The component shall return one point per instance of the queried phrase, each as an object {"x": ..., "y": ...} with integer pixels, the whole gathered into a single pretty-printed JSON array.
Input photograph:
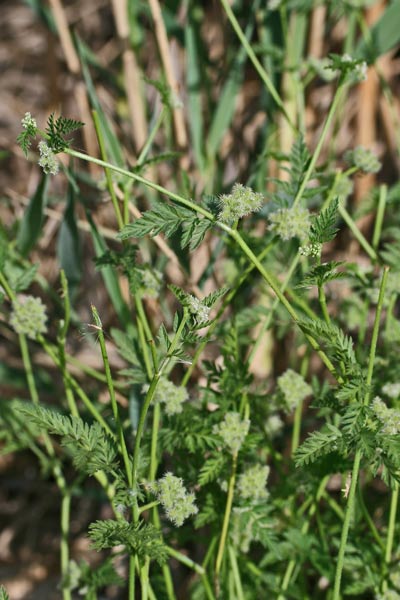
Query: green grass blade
[
  {"x": 68, "y": 245},
  {"x": 31, "y": 225},
  {"x": 110, "y": 278},
  {"x": 383, "y": 36}
]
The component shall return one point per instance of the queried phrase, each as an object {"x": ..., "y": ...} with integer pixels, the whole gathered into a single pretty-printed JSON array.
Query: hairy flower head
[
  {"x": 47, "y": 160},
  {"x": 240, "y": 202},
  {"x": 290, "y": 222},
  {"x": 392, "y": 390},
  {"x": 177, "y": 502},
  {"x": 198, "y": 309},
  {"x": 171, "y": 395},
  {"x": 28, "y": 316},
  {"x": 294, "y": 388},
  {"x": 232, "y": 430},
  {"x": 389, "y": 417},
  {"x": 252, "y": 483},
  {"x": 364, "y": 159}
]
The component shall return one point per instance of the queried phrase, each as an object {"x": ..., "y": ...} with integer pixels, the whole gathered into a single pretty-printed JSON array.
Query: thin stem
[
  {"x": 256, "y": 63},
  {"x": 113, "y": 400},
  {"x": 109, "y": 180},
  {"x": 236, "y": 573},
  {"x": 394, "y": 501},
  {"x": 379, "y": 216},
  {"x": 317, "y": 151},
  {"x": 64, "y": 548},
  {"x": 61, "y": 339},
  {"x": 357, "y": 233},
  {"x": 358, "y": 454},
  {"x": 227, "y": 515}
]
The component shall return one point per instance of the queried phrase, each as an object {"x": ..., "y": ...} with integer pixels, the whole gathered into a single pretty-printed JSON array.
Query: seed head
[
  {"x": 48, "y": 160},
  {"x": 240, "y": 202},
  {"x": 364, "y": 159},
  {"x": 232, "y": 430},
  {"x": 291, "y": 222},
  {"x": 252, "y": 483},
  {"x": 175, "y": 499},
  {"x": 294, "y": 389},
  {"x": 28, "y": 316}
]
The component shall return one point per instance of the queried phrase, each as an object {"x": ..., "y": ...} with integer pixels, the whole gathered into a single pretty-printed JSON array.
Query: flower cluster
[
  {"x": 243, "y": 524},
  {"x": 293, "y": 388},
  {"x": 273, "y": 425},
  {"x": 151, "y": 283},
  {"x": 200, "y": 311},
  {"x": 364, "y": 159},
  {"x": 173, "y": 496},
  {"x": 28, "y": 316},
  {"x": 47, "y": 159},
  {"x": 251, "y": 483},
  {"x": 171, "y": 395},
  {"x": 291, "y": 222},
  {"x": 232, "y": 430},
  {"x": 344, "y": 187},
  {"x": 392, "y": 390},
  {"x": 313, "y": 250},
  {"x": 29, "y": 124},
  {"x": 240, "y": 202},
  {"x": 354, "y": 69},
  {"x": 389, "y": 417}
]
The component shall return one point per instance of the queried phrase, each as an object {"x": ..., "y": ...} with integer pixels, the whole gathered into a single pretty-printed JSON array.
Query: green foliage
[
  {"x": 90, "y": 447},
  {"x": 323, "y": 227},
  {"x": 167, "y": 219},
  {"x": 57, "y": 129},
  {"x": 140, "y": 539},
  {"x": 3, "y": 593}
]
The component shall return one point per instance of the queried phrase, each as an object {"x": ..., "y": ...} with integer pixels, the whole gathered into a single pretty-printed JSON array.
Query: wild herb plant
[{"x": 203, "y": 473}]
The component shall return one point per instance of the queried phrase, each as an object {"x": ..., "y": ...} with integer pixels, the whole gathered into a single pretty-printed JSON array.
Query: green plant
[{"x": 244, "y": 466}]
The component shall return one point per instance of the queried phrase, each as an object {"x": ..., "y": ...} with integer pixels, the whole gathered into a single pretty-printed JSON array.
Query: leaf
[
  {"x": 163, "y": 218},
  {"x": 3, "y": 593},
  {"x": 140, "y": 539},
  {"x": 322, "y": 274},
  {"x": 211, "y": 469},
  {"x": 30, "y": 226},
  {"x": 57, "y": 129},
  {"x": 382, "y": 36},
  {"x": 323, "y": 227},
  {"x": 318, "y": 444},
  {"x": 68, "y": 245}
]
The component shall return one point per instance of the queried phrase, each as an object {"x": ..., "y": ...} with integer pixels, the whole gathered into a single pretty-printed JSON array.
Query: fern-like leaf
[
  {"x": 57, "y": 129},
  {"x": 319, "y": 443},
  {"x": 323, "y": 227},
  {"x": 140, "y": 539}
]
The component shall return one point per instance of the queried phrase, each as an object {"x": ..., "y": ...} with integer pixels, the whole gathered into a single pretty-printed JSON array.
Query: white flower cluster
[
  {"x": 200, "y": 311},
  {"x": 48, "y": 160}
]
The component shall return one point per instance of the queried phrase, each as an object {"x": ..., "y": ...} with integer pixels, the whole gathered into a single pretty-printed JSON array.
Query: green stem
[
  {"x": 256, "y": 63},
  {"x": 292, "y": 564},
  {"x": 113, "y": 400},
  {"x": 64, "y": 548},
  {"x": 379, "y": 216},
  {"x": 358, "y": 454},
  {"x": 394, "y": 501},
  {"x": 317, "y": 151},
  {"x": 227, "y": 516},
  {"x": 236, "y": 573},
  {"x": 76, "y": 387},
  {"x": 61, "y": 339},
  {"x": 357, "y": 233},
  {"x": 109, "y": 180},
  {"x": 368, "y": 519}
]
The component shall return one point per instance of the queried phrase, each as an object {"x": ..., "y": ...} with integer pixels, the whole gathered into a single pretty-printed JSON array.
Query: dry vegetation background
[{"x": 40, "y": 73}]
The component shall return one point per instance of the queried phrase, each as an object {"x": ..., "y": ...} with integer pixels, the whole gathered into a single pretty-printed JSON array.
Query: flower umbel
[
  {"x": 47, "y": 160},
  {"x": 240, "y": 202},
  {"x": 171, "y": 395},
  {"x": 28, "y": 316},
  {"x": 364, "y": 159},
  {"x": 232, "y": 430},
  {"x": 389, "y": 417},
  {"x": 252, "y": 483},
  {"x": 175, "y": 499},
  {"x": 294, "y": 389},
  {"x": 291, "y": 222}
]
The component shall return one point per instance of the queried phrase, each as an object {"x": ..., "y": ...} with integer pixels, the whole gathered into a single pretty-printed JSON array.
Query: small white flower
[{"x": 48, "y": 160}]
